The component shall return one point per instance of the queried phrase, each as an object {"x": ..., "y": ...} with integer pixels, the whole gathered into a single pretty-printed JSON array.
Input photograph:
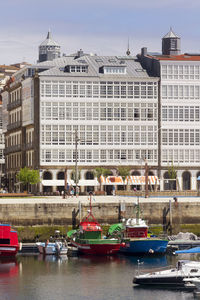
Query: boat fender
[
  {"x": 20, "y": 246},
  {"x": 123, "y": 244},
  {"x": 151, "y": 251}
]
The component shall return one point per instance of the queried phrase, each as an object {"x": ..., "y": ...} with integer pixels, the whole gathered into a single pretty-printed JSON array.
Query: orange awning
[{"x": 140, "y": 180}]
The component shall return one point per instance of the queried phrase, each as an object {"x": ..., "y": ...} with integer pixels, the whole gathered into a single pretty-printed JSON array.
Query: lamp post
[
  {"x": 76, "y": 159},
  {"x": 146, "y": 171}
]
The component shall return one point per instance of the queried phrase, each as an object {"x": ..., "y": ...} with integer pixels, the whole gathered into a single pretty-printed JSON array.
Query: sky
[{"x": 101, "y": 27}]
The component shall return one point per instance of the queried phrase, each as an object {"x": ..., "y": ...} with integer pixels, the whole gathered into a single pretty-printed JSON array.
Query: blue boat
[
  {"x": 191, "y": 250},
  {"x": 145, "y": 246},
  {"x": 136, "y": 237}
]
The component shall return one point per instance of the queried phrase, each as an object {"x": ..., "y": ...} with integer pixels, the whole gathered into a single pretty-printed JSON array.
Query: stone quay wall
[{"x": 24, "y": 214}]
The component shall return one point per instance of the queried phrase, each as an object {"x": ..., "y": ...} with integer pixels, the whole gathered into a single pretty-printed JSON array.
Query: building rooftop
[
  {"x": 49, "y": 41},
  {"x": 170, "y": 34},
  {"x": 182, "y": 57},
  {"x": 94, "y": 63}
]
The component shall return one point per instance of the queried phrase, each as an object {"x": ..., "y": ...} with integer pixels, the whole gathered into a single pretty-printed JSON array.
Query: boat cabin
[
  {"x": 90, "y": 230},
  {"x": 8, "y": 236},
  {"x": 136, "y": 228}
]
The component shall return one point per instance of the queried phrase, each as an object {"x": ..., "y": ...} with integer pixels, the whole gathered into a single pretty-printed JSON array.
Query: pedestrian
[
  {"x": 113, "y": 191},
  {"x": 77, "y": 192},
  {"x": 72, "y": 192},
  {"x": 67, "y": 189}
]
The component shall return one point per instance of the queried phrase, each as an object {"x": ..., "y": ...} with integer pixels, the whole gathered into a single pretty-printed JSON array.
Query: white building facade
[
  {"x": 179, "y": 114},
  {"x": 111, "y": 102}
]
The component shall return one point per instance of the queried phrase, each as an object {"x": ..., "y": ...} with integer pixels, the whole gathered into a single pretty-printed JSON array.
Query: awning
[
  {"x": 85, "y": 182},
  {"x": 112, "y": 180},
  {"x": 140, "y": 180},
  {"x": 61, "y": 182},
  {"x": 58, "y": 182}
]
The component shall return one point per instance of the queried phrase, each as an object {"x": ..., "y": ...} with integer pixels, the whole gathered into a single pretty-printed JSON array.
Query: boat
[
  {"x": 138, "y": 241},
  {"x": 9, "y": 245},
  {"x": 136, "y": 237},
  {"x": 52, "y": 248},
  {"x": 170, "y": 277},
  {"x": 88, "y": 238},
  {"x": 191, "y": 250}
]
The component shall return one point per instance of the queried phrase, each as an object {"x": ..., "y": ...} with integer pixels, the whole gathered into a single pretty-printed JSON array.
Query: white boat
[
  {"x": 49, "y": 248},
  {"x": 170, "y": 277}
]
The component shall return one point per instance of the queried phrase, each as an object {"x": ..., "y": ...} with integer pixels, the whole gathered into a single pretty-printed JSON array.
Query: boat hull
[
  {"x": 145, "y": 246},
  {"x": 97, "y": 249},
  {"x": 8, "y": 250},
  {"x": 176, "y": 281}
]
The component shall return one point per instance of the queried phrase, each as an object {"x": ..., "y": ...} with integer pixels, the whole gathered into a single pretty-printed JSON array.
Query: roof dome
[
  {"x": 49, "y": 41},
  {"x": 170, "y": 34}
]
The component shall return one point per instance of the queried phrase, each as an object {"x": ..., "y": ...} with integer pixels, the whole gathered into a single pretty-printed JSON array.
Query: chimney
[{"x": 144, "y": 51}]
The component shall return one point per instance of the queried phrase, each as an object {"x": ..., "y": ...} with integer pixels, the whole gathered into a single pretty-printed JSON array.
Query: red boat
[
  {"x": 88, "y": 238},
  {"x": 9, "y": 244}
]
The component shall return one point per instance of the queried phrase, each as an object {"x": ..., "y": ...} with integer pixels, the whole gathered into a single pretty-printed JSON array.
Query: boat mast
[{"x": 90, "y": 193}]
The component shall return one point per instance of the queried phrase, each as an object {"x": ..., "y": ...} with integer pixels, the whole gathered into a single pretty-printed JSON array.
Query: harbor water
[{"x": 98, "y": 278}]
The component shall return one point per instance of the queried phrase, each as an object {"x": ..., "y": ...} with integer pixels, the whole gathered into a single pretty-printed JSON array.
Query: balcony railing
[
  {"x": 11, "y": 149},
  {"x": 29, "y": 146},
  {"x": 14, "y": 104},
  {"x": 14, "y": 125}
]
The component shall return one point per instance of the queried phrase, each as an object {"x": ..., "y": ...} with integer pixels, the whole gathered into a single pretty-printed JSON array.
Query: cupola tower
[
  {"x": 171, "y": 44},
  {"x": 49, "y": 49}
]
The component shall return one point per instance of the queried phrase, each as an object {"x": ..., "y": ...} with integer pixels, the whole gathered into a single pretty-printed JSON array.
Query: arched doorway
[
  {"x": 47, "y": 175},
  {"x": 186, "y": 176},
  {"x": 137, "y": 187},
  {"x": 150, "y": 173},
  {"x": 61, "y": 176},
  {"x": 198, "y": 182},
  {"x": 169, "y": 184},
  {"x": 89, "y": 175},
  {"x": 46, "y": 188},
  {"x": 166, "y": 181},
  {"x": 150, "y": 186}
]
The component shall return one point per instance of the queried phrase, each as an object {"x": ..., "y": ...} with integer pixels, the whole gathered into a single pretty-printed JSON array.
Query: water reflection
[
  {"x": 84, "y": 277},
  {"x": 9, "y": 267}
]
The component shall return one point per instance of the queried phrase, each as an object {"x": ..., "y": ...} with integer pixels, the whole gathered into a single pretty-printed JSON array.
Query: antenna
[{"x": 128, "y": 52}]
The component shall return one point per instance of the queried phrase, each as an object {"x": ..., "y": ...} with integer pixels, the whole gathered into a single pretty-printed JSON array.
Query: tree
[
  {"x": 124, "y": 172},
  {"x": 28, "y": 176},
  {"x": 172, "y": 174},
  {"x": 99, "y": 171},
  {"x": 73, "y": 175}
]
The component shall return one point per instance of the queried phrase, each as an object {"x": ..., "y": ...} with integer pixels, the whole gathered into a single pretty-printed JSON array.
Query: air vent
[
  {"x": 98, "y": 60},
  {"x": 82, "y": 61},
  {"x": 112, "y": 60},
  {"x": 139, "y": 70}
]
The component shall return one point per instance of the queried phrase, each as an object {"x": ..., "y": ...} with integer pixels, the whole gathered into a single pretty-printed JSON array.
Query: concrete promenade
[{"x": 96, "y": 199}]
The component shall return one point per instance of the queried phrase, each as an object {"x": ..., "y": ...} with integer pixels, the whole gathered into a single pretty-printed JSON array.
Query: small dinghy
[{"x": 48, "y": 248}]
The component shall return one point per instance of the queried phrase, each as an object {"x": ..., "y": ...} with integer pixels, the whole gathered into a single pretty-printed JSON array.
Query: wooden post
[
  {"x": 65, "y": 187},
  {"x": 170, "y": 216}
]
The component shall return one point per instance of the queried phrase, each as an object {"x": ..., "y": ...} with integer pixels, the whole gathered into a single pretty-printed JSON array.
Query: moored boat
[
  {"x": 52, "y": 248},
  {"x": 136, "y": 237},
  {"x": 9, "y": 244},
  {"x": 170, "y": 277},
  {"x": 88, "y": 238},
  {"x": 137, "y": 240}
]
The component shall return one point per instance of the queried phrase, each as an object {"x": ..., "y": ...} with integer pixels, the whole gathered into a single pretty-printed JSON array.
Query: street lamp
[{"x": 76, "y": 159}]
